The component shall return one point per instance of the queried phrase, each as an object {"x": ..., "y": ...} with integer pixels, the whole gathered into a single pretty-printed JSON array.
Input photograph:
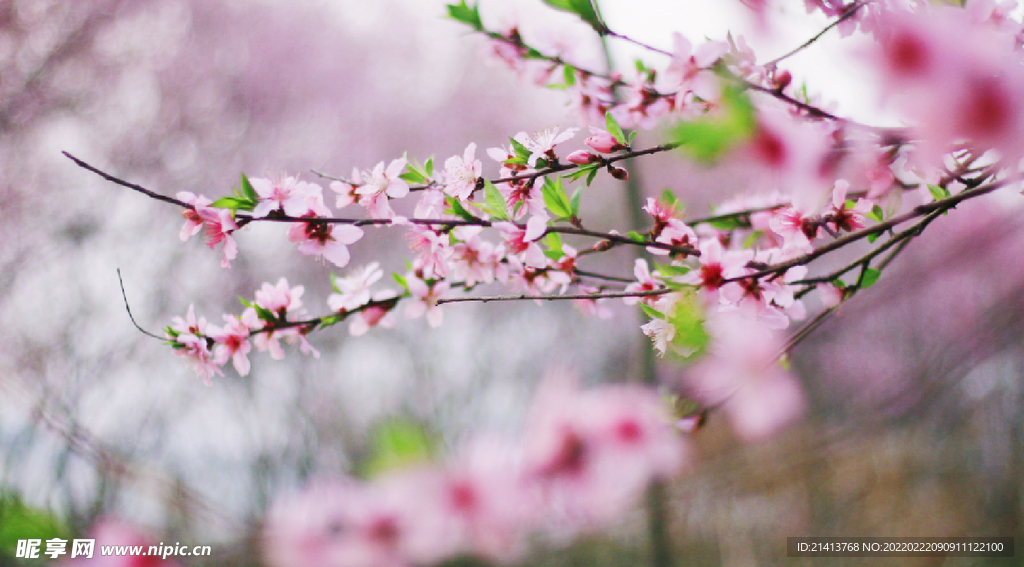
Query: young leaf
[
  {"x": 612, "y": 125},
  {"x": 708, "y": 138},
  {"x": 413, "y": 176},
  {"x": 397, "y": 443},
  {"x": 554, "y": 242},
  {"x": 233, "y": 203},
  {"x": 688, "y": 319},
  {"x": 21, "y": 522},
  {"x": 520, "y": 149},
  {"x": 574, "y": 203},
  {"x": 466, "y": 14},
  {"x": 569, "y": 73},
  {"x": 750, "y": 240},
  {"x": 428, "y": 168},
  {"x": 585, "y": 10},
  {"x": 668, "y": 197},
  {"x": 495, "y": 202},
  {"x": 650, "y": 311},
  {"x": 727, "y": 223},
  {"x": 583, "y": 170},
  {"x": 459, "y": 210},
  {"x": 939, "y": 193},
  {"x": 400, "y": 280},
  {"x": 581, "y": 8},
  {"x": 669, "y": 270},
  {"x": 559, "y": 4},
  {"x": 869, "y": 277},
  {"x": 248, "y": 191},
  {"x": 636, "y": 237},
  {"x": 555, "y": 198},
  {"x": 876, "y": 214}
]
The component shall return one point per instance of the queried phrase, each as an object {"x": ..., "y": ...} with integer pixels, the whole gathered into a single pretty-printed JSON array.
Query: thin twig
[
  {"x": 638, "y": 43},
  {"x": 804, "y": 331},
  {"x": 921, "y": 210},
  {"x": 729, "y": 216},
  {"x": 487, "y": 298},
  {"x": 124, "y": 183},
  {"x": 849, "y": 14},
  {"x": 129, "y": 309},
  {"x": 244, "y": 219}
]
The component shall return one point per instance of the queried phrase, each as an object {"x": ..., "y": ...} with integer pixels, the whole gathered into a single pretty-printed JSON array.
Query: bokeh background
[{"x": 915, "y": 422}]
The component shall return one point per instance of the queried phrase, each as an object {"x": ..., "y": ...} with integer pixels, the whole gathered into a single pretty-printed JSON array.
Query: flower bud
[
  {"x": 618, "y": 173},
  {"x": 603, "y": 142},
  {"x": 782, "y": 79},
  {"x": 581, "y": 157}
]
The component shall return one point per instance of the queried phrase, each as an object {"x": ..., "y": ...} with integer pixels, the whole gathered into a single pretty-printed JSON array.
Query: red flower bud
[
  {"x": 581, "y": 157},
  {"x": 603, "y": 142}
]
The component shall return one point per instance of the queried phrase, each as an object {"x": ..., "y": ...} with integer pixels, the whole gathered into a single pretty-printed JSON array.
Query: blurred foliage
[{"x": 18, "y": 521}]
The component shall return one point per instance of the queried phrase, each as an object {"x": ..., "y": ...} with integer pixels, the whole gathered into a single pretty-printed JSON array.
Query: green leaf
[
  {"x": 876, "y": 214},
  {"x": 400, "y": 280},
  {"x": 749, "y": 242},
  {"x": 708, "y": 138},
  {"x": 520, "y": 150},
  {"x": 414, "y": 177},
  {"x": 670, "y": 270},
  {"x": 612, "y": 125},
  {"x": 555, "y": 198},
  {"x": 466, "y": 14},
  {"x": 668, "y": 197},
  {"x": 397, "y": 443},
  {"x": 591, "y": 175},
  {"x": 939, "y": 193},
  {"x": 428, "y": 168},
  {"x": 583, "y": 170},
  {"x": 247, "y": 190},
  {"x": 574, "y": 202},
  {"x": 264, "y": 313},
  {"x": 873, "y": 237},
  {"x": 839, "y": 284},
  {"x": 495, "y": 204},
  {"x": 569, "y": 73},
  {"x": 727, "y": 223},
  {"x": 688, "y": 318},
  {"x": 233, "y": 203},
  {"x": 18, "y": 521},
  {"x": 868, "y": 277},
  {"x": 632, "y": 136},
  {"x": 636, "y": 237},
  {"x": 554, "y": 242},
  {"x": 581, "y": 8},
  {"x": 893, "y": 203},
  {"x": 456, "y": 208},
  {"x": 651, "y": 312}
]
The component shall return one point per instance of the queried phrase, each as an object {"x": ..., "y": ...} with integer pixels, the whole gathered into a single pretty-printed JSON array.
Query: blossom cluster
[
  {"x": 265, "y": 321},
  {"x": 583, "y": 460},
  {"x": 819, "y": 179},
  {"x": 717, "y": 292}
]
